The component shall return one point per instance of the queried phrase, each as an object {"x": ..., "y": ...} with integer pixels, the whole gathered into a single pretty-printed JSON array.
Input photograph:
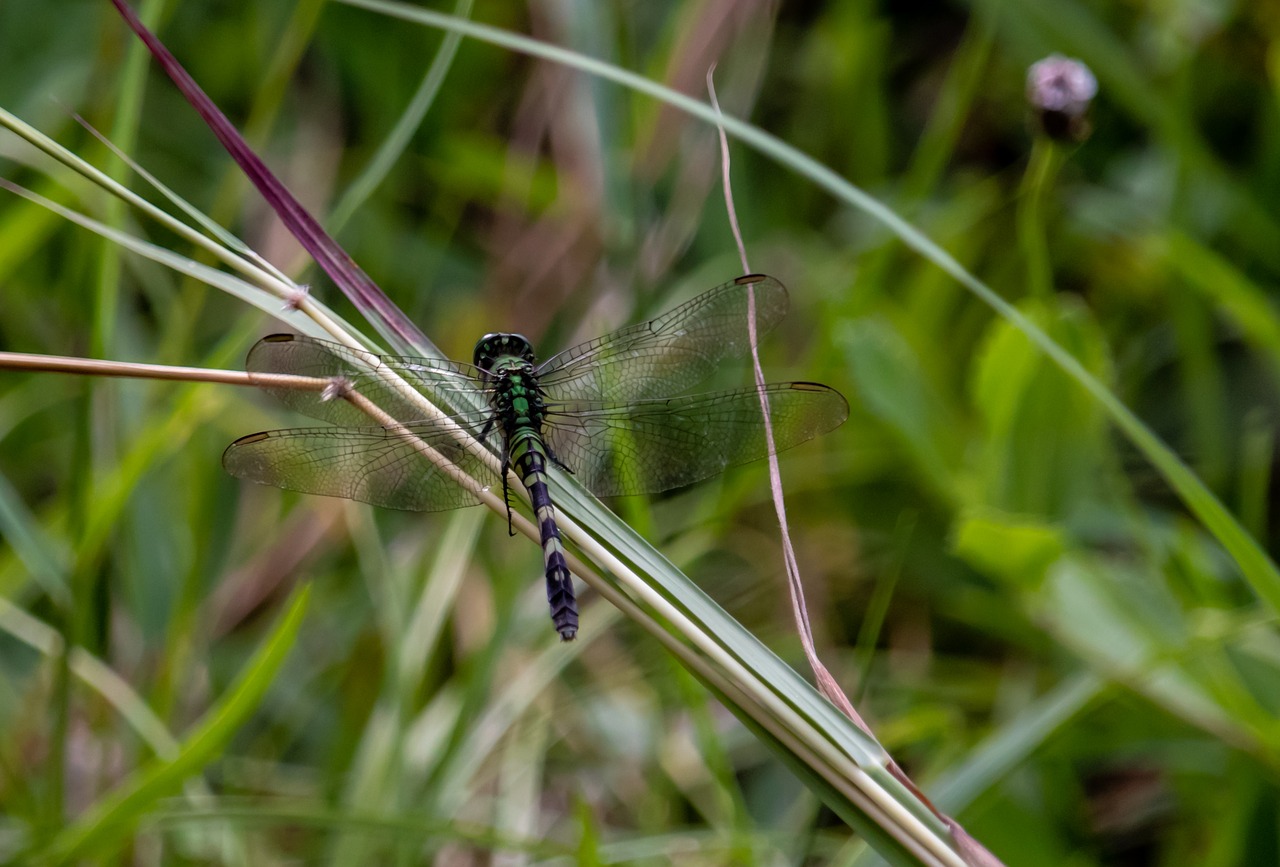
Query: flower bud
[{"x": 1060, "y": 90}]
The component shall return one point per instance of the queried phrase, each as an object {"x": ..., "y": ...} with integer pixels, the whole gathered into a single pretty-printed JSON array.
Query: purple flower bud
[{"x": 1060, "y": 90}]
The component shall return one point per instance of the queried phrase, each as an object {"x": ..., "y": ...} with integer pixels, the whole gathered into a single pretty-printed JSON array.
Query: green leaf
[
  {"x": 895, "y": 390},
  {"x": 1047, "y": 441},
  {"x": 1014, "y": 548}
]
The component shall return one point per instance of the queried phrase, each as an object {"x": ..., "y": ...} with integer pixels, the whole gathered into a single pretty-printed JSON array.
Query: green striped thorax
[{"x": 509, "y": 362}]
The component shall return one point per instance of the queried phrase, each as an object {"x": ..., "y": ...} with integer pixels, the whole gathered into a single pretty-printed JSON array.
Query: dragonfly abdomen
[{"x": 529, "y": 458}]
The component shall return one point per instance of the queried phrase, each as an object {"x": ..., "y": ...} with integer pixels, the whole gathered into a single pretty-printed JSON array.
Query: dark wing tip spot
[
  {"x": 819, "y": 388},
  {"x": 279, "y": 338}
]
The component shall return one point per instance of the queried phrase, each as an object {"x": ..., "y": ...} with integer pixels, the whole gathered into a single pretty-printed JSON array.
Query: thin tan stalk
[
  {"x": 827, "y": 683},
  {"x": 96, "y": 367}
]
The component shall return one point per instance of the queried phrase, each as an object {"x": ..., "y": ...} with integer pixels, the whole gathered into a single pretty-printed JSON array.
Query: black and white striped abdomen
[{"x": 529, "y": 458}]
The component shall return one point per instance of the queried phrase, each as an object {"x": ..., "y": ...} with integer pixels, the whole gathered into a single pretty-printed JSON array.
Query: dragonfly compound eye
[{"x": 491, "y": 347}]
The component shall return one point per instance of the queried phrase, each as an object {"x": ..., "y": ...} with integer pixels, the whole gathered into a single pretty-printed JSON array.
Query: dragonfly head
[{"x": 491, "y": 347}]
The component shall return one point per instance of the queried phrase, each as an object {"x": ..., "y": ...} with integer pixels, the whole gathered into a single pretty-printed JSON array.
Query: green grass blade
[
  {"x": 106, "y": 825},
  {"x": 398, "y": 139}
]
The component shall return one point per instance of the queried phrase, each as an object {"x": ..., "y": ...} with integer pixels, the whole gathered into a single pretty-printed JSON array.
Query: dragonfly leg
[
  {"x": 506, "y": 467},
  {"x": 506, "y": 492}
]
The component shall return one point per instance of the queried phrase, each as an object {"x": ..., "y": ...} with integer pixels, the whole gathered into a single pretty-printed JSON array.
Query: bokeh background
[{"x": 1020, "y": 606}]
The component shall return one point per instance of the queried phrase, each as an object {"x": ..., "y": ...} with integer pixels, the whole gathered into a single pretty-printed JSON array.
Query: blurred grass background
[{"x": 1024, "y": 612}]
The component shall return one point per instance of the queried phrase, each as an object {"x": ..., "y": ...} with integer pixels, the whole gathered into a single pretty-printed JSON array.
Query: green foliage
[{"x": 1078, "y": 657}]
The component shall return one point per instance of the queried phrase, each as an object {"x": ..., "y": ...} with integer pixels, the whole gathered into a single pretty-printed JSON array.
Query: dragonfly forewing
[{"x": 389, "y": 382}]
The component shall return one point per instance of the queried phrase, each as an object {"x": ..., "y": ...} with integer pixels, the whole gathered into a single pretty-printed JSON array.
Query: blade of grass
[
  {"x": 398, "y": 139},
  {"x": 197, "y": 216},
  {"x": 246, "y": 262},
  {"x": 95, "y": 674},
  {"x": 45, "y": 560},
  {"x": 1009, "y": 746},
  {"x": 104, "y": 828},
  {"x": 341, "y": 268},
  {"x": 307, "y": 317},
  {"x": 124, "y": 131}
]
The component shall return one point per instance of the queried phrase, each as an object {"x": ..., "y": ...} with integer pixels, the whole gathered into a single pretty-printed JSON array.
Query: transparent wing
[
  {"x": 370, "y": 464},
  {"x": 669, "y": 354},
  {"x": 654, "y": 445},
  {"x": 447, "y": 384}
]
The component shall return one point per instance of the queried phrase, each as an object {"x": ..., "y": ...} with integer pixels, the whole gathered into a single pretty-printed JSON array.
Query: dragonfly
[{"x": 609, "y": 411}]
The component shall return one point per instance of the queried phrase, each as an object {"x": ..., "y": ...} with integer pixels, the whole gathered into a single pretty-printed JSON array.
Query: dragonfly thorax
[
  {"x": 492, "y": 347},
  {"x": 508, "y": 363}
]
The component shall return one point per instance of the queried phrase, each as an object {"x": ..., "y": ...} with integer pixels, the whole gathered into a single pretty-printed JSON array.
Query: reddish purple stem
[{"x": 328, "y": 254}]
